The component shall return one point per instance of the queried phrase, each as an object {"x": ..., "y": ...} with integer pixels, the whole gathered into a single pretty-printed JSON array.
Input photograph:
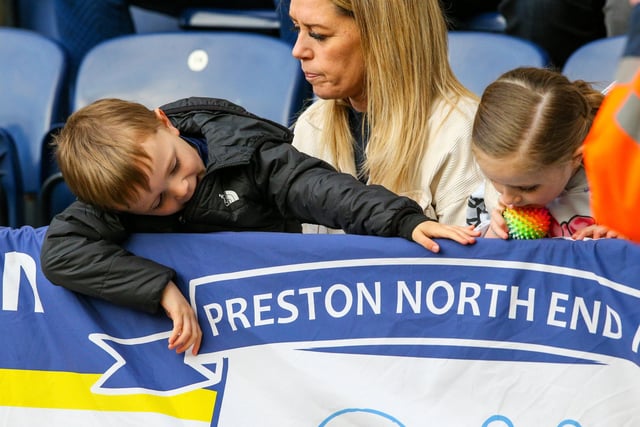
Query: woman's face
[{"x": 329, "y": 50}]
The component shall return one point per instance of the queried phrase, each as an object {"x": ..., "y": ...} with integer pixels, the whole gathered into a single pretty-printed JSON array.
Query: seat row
[{"x": 253, "y": 70}]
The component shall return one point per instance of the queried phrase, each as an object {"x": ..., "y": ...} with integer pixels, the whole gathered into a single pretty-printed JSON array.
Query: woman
[{"x": 390, "y": 111}]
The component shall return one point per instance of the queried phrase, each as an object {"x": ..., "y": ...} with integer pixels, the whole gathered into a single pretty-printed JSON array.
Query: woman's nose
[{"x": 299, "y": 51}]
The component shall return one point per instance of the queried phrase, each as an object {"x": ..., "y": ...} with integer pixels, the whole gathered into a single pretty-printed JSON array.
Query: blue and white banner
[{"x": 333, "y": 330}]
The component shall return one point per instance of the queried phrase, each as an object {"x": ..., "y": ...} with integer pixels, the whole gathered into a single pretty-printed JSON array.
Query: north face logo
[{"x": 228, "y": 197}]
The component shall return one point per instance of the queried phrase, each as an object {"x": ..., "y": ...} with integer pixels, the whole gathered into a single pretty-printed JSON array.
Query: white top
[
  {"x": 570, "y": 211},
  {"x": 449, "y": 170}
]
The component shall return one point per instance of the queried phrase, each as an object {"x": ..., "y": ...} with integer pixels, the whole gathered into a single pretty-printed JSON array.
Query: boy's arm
[
  {"x": 310, "y": 190},
  {"x": 82, "y": 251}
]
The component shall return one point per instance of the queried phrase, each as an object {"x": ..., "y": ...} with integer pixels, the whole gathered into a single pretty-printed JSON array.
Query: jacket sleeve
[
  {"x": 82, "y": 251},
  {"x": 310, "y": 190}
]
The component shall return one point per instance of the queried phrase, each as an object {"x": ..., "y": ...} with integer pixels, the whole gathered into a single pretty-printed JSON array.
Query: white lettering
[
  {"x": 14, "y": 264},
  {"x": 515, "y": 302},
  {"x": 258, "y": 309},
  {"x": 233, "y": 315},
  {"x": 413, "y": 300},
  {"x": 636, "y": 341},
  {"x": 554, "y": 308},
  {"x": 363, "y": 294},
  {"x": 495, "y": 293},
  {"x": 580, "y": 310},
  {"x": 309, "y": 292},
  {"x": 329, "y": 304},
  {"x": 471, "y": 300},
  {"x": 213, "y": 320},
  {"x": 287, "y": 306},
  {"x": 430, "y": 297},
  {"x": 612, "y": 319}
]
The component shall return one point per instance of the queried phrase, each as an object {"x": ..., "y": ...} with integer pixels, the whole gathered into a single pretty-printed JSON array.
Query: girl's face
[
  {"x": 329, "y": 50},
  {"x": 519, "y": 186}
]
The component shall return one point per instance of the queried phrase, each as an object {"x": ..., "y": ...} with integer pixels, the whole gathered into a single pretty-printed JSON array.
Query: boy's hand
[
  {"x": 596, "y": 231},
  {"x": 425, "y": 231},
  {"x": 186, "y": 330}
]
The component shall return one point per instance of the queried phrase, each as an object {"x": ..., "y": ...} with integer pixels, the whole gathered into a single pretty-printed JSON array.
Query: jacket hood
[{"x": 232, "y": 133}]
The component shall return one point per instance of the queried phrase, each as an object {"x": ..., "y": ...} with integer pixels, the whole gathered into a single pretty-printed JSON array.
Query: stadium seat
[
  {"x": 252, "y": 70},
  {"x": 259, "y": 20},
  {"x": 478, "y": 58},
  {"x": 33, "y": 70},
  {"x": 11, "y": 192},
  {"x": 273, "y": 21},
  {"x": 596, "y": 62},
  {"x": 38, "y": 16},
  {"x": 487, "y": 21}
]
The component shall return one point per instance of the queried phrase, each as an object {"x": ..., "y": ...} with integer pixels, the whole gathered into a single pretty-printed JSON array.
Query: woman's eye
[{"x": 317, "y": 36}]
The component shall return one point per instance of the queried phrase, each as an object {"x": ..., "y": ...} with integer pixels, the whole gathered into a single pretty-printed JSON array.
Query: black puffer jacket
[{"x": 255, "y": 181}]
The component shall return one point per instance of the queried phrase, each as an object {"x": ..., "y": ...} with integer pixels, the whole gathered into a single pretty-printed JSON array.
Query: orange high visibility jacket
[{"x": 612, "y": 160}]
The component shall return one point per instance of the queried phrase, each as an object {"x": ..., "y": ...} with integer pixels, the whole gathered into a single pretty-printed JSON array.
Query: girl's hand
[
  {"x": 597, "y": 231},
  {"x": 428, "y": 230},
  {"x": 498, "y": 227}
]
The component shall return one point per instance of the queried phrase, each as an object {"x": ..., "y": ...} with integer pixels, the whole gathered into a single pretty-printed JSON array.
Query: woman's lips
[{"x": 311, "y": 76}]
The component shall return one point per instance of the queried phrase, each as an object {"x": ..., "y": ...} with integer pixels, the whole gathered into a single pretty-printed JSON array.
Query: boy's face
[{"x": 176, "y": 170}]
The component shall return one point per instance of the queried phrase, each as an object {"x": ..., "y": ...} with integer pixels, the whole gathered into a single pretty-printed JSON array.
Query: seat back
[
  {"x": 33, "y": 73},
  {"x": 264, "y": 21},
  {"x": 38, "y": 16},
  {"x": 596, "y": 62},
  {"x": 270, "y": 19},
  {"x": 478, "y": 58},
  {"x": 11, "y": 192},
  {"x": 254, "y": 71}
]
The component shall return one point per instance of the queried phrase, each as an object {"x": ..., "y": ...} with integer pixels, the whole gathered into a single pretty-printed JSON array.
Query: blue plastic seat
[
  {"x": 259, "y": 20},
  {"x": 273, "y": 21},
  {"x": 478, "y": 58},
  {"x": 11, "y": 191},
  {"x": 487, "y": 21},
  {"x": 596, "y": 62},
  {"x": 252, "y": 70},
  {"x": 32, "y": 71}
]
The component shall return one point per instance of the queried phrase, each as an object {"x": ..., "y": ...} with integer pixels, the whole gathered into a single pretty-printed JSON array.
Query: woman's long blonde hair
[{"x": 405, "y": 50}]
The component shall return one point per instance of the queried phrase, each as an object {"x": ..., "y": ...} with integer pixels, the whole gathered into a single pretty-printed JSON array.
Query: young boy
[{"x": 196, "y": 165}]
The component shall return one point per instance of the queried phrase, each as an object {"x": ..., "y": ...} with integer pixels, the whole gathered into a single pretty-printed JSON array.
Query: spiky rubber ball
[{"x": 527, "y": 222}]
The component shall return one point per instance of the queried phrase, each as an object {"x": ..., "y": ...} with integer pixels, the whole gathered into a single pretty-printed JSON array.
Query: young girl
[{"x": 527, "y": 139}]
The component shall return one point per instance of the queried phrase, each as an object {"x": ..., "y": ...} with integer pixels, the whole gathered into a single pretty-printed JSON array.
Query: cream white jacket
[{"x": 449, "y": 171}]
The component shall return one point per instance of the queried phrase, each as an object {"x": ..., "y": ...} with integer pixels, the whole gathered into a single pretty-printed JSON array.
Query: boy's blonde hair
[{"x": 100, "y": 153}]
